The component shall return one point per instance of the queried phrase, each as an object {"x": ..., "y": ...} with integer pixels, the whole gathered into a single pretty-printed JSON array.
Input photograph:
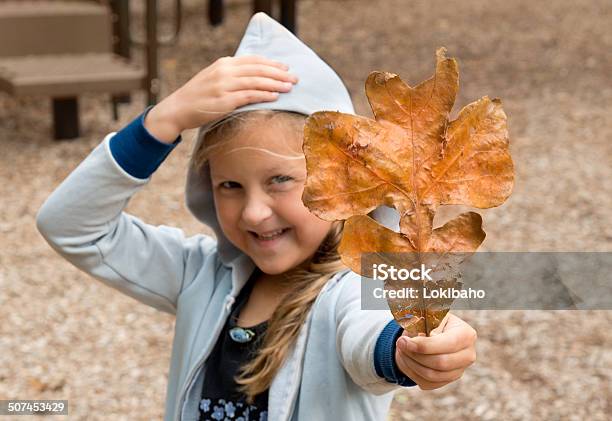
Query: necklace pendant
[{"x": 241, "y": 335}]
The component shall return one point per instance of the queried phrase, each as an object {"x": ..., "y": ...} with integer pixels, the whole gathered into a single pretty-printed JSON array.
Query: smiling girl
[{"x": 268, "y": 320}]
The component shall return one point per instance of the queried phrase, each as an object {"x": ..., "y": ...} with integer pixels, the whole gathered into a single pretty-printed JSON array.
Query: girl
[{"x": 268, "y": 320}]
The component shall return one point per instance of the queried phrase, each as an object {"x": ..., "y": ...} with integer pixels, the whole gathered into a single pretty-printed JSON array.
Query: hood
[{"x": 319, "y": 89}]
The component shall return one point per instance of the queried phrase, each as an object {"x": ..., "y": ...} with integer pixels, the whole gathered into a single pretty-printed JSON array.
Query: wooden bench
[{"x": 61, "y": 49}]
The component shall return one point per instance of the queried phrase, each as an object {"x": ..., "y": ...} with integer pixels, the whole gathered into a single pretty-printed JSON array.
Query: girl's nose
[{"x": 255, "y": 211}]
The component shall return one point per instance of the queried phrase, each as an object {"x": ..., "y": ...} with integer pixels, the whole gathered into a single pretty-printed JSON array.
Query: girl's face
[{"x": 258, "y": 177}]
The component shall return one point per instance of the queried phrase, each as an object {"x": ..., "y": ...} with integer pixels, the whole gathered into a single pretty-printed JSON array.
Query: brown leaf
[
  {"x": 413, "y": 159},
  {"x": 42, "y": 386},
  {"x": 37, "y": 384}
]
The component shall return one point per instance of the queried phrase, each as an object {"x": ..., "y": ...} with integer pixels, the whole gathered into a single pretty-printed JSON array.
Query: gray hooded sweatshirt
[{"x": 329, "y": 373}]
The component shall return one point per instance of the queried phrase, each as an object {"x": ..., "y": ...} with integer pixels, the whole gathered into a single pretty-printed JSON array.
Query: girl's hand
[
  {"x": 439, "y": 359},
  {"x": 217, "y": 90}
]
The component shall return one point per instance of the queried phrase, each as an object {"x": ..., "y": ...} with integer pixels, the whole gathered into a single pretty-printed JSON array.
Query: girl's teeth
[{"x": 269, "y": 236}]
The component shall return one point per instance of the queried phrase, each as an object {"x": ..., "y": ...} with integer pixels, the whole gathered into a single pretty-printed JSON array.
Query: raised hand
[{"x": 217, "y": 90}]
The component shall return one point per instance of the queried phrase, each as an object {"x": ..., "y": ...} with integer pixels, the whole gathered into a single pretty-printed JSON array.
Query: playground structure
[{"x": 62, "y": 49}]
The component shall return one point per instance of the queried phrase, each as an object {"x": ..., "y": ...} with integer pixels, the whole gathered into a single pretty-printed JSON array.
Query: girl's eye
[
  {"x": 229, "y": 185},
  {"x": 281, "y": 178}
]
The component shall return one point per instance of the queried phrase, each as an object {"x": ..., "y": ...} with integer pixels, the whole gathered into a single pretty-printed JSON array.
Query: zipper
[
  {"x": 229, "y": 300},
  {"x": 297, "y": 374}
]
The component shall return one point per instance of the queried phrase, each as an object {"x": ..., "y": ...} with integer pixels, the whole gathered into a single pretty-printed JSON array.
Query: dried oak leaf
[{"x": 413, "y": 159}]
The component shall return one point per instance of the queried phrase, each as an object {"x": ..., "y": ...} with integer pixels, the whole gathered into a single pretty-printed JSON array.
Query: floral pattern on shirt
[{"x": 222, "y": 410}]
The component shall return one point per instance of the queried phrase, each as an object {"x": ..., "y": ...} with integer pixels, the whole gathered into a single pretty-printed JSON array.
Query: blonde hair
[
  {"x": 220, "y": 132},
  {"x": 303, "y": 284}
]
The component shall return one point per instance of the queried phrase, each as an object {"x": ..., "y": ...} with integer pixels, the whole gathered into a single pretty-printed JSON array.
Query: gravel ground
[{"x": 66, "y": 336}]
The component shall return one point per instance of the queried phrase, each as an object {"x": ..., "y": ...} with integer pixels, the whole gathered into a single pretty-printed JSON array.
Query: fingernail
[
  {"x": 409, "y": 345},
  {"x": 287, "y": 84},
  {"x": 400, "y": 345}
]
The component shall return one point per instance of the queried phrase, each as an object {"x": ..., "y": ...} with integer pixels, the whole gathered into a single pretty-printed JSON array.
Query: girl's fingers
[
  {"x": 256, "y": 59},
  {"x": 444, "y": 362},
  {"x": 456, "y": 336},
  {"x": 406, "y": 364},
  {"x": 239, "y": 98},
  {"x": 423, "y": 383},
  {"x": 257, "y": 83},
  {"x": 264, "y": 71}
]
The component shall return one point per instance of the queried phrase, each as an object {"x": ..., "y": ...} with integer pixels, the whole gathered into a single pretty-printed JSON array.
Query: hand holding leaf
[{"x": 434, "y": 361}]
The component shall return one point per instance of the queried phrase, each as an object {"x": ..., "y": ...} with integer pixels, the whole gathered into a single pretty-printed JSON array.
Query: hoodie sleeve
[
  {"x": 83, "y": 220},
  {"x": 365, "y": 341}
]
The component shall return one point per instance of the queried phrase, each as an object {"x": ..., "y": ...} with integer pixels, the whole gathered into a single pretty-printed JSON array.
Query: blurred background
[{"x": 64, "y": 335}]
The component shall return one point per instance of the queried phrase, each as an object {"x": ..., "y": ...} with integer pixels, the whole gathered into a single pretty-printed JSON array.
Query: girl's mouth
[{"x": 269, "y": 237}]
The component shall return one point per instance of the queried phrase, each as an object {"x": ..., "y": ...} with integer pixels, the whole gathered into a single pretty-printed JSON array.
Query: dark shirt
[{"x": 220, "y": 398}]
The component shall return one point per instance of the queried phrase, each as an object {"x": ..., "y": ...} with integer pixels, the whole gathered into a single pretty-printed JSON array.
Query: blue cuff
[
  {"x": 384, "y": 355},
  {"x": 137, "y": 151}
]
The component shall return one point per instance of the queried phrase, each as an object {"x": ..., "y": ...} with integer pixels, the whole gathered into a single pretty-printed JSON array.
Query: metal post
[
  {"x": 215, "y": 12},
  {"x": 152, "y": 79},
  {"x": 288, "y": 15},
  {"x": 121, "y": 44},
  {"x": 121, "y": 27}
]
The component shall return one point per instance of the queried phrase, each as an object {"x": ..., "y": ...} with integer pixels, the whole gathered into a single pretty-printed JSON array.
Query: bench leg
[
  {"x": 65, "y": 118},
  {"x": 288, "y": 18},
  {"x": 215, "y": 12}
]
